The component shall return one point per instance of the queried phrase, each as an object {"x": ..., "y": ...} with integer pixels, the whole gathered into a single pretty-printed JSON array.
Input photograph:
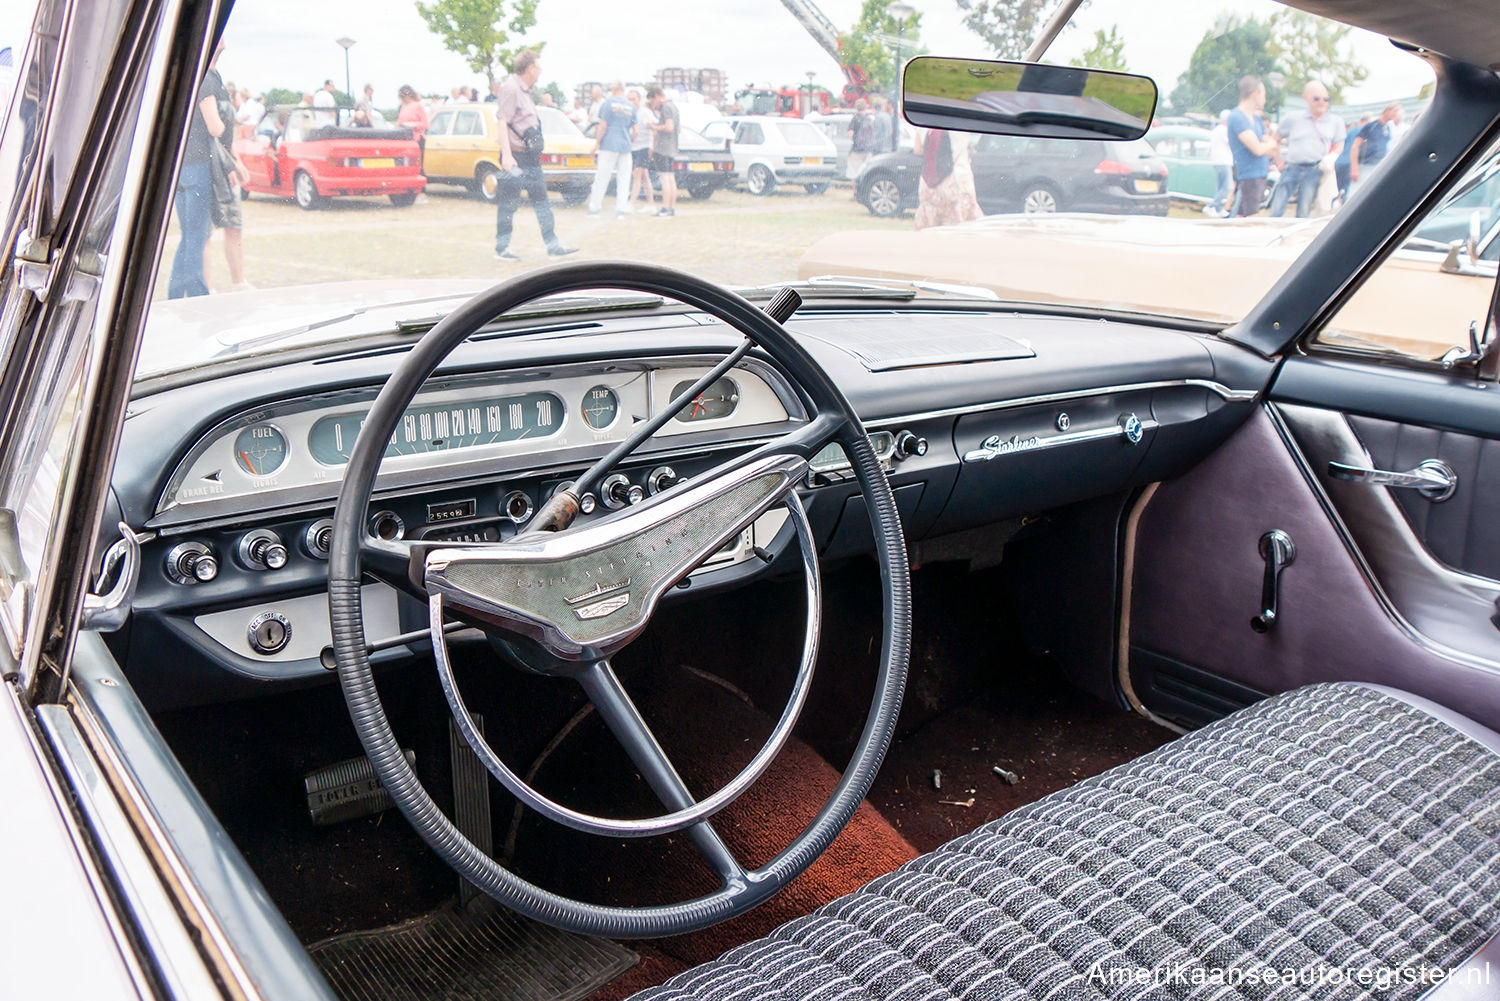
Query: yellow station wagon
[{"x": 463, "y": 147}]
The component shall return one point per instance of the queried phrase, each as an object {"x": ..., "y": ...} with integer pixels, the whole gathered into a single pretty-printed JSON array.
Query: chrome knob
[
  {"x": 262, "y": 549},
  {"x": 661, "y": 478},
  {"x": 192, "y": 563},
  {"x": 318, "y": 539},
  {"x": 908, "y": 445},
  {"x": 616, "y": 491}
]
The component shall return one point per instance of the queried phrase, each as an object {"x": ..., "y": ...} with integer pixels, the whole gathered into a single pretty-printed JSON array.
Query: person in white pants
[{"x": 612, "y": 132}]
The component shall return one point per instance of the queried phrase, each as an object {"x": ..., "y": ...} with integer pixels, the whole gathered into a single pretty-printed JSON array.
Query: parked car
[
  {"x": 1185, "y": 151},
  {"x": 769, "y": 151},
  {"x": 835, "y": 126},
  {"x": 463, "y": 147},
  {"x": 1034, "y": 176},
  {"x": 701, "y": 166},
  {"x": 433, "y": 626},
  {"x": 300, "y": 159}
]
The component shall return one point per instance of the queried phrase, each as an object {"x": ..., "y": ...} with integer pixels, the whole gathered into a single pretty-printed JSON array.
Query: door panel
[
  {"x": 1462, "y": 531},
  {"x": 1196, "y": 577}
]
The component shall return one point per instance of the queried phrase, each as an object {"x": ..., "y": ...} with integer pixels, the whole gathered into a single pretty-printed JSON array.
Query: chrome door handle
[
  {"x": 1433, "y": 478},
  {"x": 105, "y": 613}
]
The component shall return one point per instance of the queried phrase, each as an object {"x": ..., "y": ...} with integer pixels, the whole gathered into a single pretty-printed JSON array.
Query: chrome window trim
[
  {"x": 1229, "y": 395},
  {"x": 136, "y": 819},
  {"x": 88, "y": 861},
  {"x": 176, "y": 960}
]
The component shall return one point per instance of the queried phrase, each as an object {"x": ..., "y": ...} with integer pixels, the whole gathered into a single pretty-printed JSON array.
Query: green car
[{"x": 1184, "y": 149}]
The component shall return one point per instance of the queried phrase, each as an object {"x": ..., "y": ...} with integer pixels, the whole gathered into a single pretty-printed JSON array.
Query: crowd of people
[{"x": 1321, "y": 158}]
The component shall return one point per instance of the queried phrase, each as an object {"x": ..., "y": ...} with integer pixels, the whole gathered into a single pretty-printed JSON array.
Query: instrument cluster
[{"x": 294, "y": 452}]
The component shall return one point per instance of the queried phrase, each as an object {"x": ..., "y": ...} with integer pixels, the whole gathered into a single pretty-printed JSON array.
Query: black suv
[{"x": 1018, "y": 174}]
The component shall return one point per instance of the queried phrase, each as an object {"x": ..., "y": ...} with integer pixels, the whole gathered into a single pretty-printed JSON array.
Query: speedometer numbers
[
  {"x": 444, "y": 428},
  {"x": 260, "y": 449},
  {"x": 718, "y": 400}
]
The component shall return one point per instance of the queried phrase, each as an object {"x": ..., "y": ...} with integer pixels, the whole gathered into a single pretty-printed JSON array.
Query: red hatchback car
[{"x": 293, "y": 155}]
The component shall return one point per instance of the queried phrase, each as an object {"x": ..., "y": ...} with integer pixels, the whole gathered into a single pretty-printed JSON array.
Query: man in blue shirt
[
  {"x": 1372, "y": 144},
  {"x": 612, "y": 131},
  {"x": 1251, "y": 144}
]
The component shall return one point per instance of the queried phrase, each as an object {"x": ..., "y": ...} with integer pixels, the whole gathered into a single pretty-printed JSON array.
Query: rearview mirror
[{"x": 1026, "y": 99}]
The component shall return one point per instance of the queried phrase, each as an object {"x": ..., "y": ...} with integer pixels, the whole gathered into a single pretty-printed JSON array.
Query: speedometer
[{"x": 444, "y": 428}]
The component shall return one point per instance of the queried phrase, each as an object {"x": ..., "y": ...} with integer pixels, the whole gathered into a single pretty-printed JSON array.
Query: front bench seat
[{"x": 1337, "y": 827}]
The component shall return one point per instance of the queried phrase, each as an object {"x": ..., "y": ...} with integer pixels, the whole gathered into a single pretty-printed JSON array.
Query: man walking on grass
[{"x": 520, "y": 166}]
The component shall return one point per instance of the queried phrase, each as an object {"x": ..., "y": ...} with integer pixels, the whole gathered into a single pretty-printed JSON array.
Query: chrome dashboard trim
[
  {"x": 1218, "y": 388},
  {"x": 467, "y": 467},
  {"x": 994, "y": 446}
]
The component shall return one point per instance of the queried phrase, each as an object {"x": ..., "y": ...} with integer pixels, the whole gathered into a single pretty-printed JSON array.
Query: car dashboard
[{"x": 978, "y": 415}]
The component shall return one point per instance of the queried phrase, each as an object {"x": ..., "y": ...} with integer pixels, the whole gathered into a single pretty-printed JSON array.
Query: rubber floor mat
[{"x": 449, "y": 955}]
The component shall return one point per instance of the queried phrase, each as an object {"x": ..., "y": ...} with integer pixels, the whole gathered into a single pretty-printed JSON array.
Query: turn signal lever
[{"x": 1277, "y": 550}]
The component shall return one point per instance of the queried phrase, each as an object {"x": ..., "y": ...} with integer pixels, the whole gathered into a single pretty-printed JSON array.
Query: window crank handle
[{"x": 1277, "y": 549}]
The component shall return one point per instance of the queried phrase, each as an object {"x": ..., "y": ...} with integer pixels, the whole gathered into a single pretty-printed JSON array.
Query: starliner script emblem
[{"x": 601, "y": 600}]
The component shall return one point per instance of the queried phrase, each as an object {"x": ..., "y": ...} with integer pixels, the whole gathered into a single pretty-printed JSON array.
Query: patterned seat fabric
[{"x": 1276, "y": 853}]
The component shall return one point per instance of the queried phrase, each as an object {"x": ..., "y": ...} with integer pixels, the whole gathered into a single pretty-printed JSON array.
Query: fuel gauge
[{"x": 260, "y": 450}]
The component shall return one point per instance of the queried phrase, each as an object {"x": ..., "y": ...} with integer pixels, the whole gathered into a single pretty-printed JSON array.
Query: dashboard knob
[
  {"x": 262, "y": 549},
  {"x": 192, "y": 563},
  {"x": 661, "y": 478},
  {"x": 616, "y": 491},
  {"x": 318, "y": 539},
  {"x": 908, "y": 445}
]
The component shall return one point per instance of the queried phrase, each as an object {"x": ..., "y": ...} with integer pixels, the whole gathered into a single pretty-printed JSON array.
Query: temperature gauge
[
  {"x": 260, "y": 450},
  {"x": 600, "y": 407}
]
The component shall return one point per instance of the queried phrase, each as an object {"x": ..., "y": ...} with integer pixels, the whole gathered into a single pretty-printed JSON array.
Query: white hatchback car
[{"x": 769, "y": 151}]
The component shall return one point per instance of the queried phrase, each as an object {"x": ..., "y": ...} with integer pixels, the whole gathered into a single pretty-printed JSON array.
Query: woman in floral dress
[{"x": 945, "y": 196}]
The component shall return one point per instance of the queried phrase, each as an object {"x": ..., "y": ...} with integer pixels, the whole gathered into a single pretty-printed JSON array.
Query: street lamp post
[
  {"x": 810, "y": 75},
  {"x": 900, "y": 11},
  {"x": 347, "y": 43}
]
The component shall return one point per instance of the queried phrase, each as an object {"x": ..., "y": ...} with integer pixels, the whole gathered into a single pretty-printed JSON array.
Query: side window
[
  {"x": 1421, "y": 299},
  {"x": 468, "y": 124},
  {"x": 440, "y": 123},
  {"x": 750, "y": 134},
  {"x": 1166, "y": 146}
]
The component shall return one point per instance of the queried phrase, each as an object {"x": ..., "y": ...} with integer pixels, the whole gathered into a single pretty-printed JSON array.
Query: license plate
[
  {"x": 700, "y": 166},
  {"x": 1147, "y": 187},
  {"x": 378, "y": 161},
  {"x": 812, "y": 159},
  {"x": 578, "y": 161}
]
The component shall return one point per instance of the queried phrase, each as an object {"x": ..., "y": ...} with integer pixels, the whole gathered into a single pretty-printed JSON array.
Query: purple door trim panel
[{"x": 1197, "y": 580}]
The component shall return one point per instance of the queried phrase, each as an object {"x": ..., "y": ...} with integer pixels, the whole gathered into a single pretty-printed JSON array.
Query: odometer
[{"x": 443, "y": 428}]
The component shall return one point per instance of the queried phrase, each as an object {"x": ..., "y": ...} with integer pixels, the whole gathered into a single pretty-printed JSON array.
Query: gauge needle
[
  {"x": 249, "y": 462},
  {"x": 698, "y": 406}
]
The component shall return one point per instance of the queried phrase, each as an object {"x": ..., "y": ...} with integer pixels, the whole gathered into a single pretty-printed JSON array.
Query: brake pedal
[
  {"x": 346, "y": 791},
  {"x": 471, "y": 799}
]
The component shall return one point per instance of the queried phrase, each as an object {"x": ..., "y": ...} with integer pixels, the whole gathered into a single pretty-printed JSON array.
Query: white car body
[{"x": 769, "y": 151}]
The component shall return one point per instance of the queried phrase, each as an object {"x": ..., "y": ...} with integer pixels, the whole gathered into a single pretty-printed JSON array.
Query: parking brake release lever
[{"x": 1277, "y": 549}]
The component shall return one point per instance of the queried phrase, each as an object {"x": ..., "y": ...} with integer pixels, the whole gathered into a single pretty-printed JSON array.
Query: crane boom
[{"x": 816, "y": 23}]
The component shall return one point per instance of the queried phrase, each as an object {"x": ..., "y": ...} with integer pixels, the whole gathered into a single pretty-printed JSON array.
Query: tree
[
  {"x": 871, "y": 43},
  {"x": 558, "y": 97},
  {"x": 1007, "y": 26},
  {"x": 1306, "y": 48},
  {"x": 278, "y": 96},
  {"x": 1107, "y": 52},
  {"x": 486, "y": 33},
  {"x": 1232, "y": 49}
]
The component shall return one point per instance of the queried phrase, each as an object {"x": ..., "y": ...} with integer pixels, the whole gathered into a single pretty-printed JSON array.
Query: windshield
[{"x": 368, "y": 188}]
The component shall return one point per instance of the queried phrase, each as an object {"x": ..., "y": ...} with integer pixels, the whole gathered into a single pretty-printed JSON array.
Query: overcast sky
[{"x": 290, "y": 43}]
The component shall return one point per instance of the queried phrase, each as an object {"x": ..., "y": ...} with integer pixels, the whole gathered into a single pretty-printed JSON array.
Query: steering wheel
[{"x": 565, "y": 601}]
